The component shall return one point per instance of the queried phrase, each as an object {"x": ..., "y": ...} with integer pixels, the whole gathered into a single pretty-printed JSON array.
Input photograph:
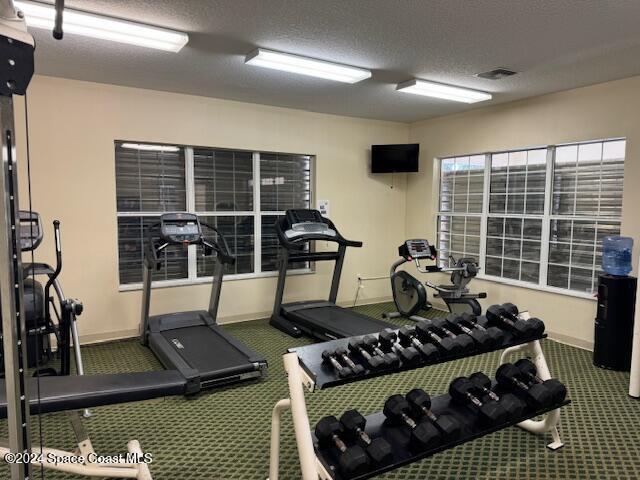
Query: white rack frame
[
  {"x": 311, "y": 466},
  {"x": 82, "y": 455}
]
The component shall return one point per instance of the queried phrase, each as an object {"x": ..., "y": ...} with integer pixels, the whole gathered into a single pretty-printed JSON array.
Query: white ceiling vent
[{"x": 496, "y": 74}]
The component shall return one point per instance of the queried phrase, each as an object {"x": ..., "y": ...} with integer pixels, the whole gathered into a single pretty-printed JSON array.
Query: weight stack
[{"x": 614, "y": 322}]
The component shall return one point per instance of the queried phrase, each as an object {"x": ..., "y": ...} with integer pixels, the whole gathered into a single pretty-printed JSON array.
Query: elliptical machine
[
  {"x": 410, "y": 294},
  {"x": 39, "y": 303}
]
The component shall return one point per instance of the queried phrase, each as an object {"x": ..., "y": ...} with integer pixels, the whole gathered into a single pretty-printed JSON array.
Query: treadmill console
[
  {"x": 306, "y": 222},
  {"x": 417, "y": 249},
  {"x": 180, "y": 228},
  {"x": 30, "y": 230}
]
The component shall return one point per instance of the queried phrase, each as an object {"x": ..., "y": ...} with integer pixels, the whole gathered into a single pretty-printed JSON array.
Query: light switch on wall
[{"x": 323, "y": 207}]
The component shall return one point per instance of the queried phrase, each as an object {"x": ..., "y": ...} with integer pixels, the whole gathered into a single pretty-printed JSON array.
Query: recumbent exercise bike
[{"x": 410, "y": 294}]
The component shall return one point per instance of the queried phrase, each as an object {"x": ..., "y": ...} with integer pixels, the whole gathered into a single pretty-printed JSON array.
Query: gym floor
[{"x": 225, "y": 434}]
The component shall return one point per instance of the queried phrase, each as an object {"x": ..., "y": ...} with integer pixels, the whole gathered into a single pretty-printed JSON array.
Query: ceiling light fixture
[
  {"x": 439, "y": 90},
  {"x": 150, "y": 147},
  {"x": 306, "y": 66},
  {"x": 41, "y": 15}
]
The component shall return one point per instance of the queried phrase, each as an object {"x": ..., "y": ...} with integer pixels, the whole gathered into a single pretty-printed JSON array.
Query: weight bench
[{"x": 73, "y": 393}]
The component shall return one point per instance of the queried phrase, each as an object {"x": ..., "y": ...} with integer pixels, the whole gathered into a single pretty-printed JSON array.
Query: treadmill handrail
[
  {"x": 154, "y": 248},
  {"x": 222, "y": 249},
  {"x": 313, "y": 257}
]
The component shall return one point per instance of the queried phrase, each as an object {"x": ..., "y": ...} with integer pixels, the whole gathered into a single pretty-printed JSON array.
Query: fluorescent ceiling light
[
  {"x": 306, "y": 66},
  {"x": 150, "y": 147},
  {"x": 439, "y": 90},
  {"x": 41, "y": 15}
]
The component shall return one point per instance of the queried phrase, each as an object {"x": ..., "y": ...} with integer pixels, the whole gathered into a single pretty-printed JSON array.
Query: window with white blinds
[
  {"x": 461, "y": 198},
  {"x": 284, "y": 184},
  {"x": 535, "y": 216},
  {"x": 240, "y": 193},
  {"x": 586, "y": 205},
  {"x": 148, "y": 183},
  {"x": 516, "y": 205}
]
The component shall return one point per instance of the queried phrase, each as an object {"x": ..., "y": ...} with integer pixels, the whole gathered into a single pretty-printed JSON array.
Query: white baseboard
[
  {"x": 96, "y": 338},
  {"x": 571, "y": 341}
]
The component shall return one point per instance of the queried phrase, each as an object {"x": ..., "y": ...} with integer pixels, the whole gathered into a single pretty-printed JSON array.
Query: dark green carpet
[{"x": 225, "y": 434}]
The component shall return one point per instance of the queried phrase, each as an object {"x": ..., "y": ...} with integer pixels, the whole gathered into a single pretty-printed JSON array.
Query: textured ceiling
[{"x": 556, "y": 45}]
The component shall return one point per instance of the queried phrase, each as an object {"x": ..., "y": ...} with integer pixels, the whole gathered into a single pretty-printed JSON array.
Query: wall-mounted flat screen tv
[{"x": 395, "y": 158}]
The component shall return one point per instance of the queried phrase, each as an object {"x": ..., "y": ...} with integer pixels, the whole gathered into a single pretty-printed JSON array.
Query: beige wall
[
  {"x": 73, "y": 125},
  {"x": 72, "y": 129},
  {"x": 601, "y": 111}
]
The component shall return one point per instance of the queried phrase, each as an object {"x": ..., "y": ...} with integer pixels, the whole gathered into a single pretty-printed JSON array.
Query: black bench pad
[{"x": 77, "y": 392}]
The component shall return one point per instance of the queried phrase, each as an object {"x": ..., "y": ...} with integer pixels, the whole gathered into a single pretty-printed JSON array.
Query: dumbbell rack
[{"x": 305, "y": 369}]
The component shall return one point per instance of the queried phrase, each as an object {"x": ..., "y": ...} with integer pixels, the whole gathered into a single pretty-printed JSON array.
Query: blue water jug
[{"x": 616, "y": 255}]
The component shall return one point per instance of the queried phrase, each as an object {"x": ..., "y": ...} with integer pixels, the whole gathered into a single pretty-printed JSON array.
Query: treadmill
[
  {"x": 192, "y": 342},
  {"x": 321, "y": 319}
]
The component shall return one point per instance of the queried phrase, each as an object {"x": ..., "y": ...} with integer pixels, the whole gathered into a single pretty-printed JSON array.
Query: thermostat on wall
[{"x": 323, "y": 207}]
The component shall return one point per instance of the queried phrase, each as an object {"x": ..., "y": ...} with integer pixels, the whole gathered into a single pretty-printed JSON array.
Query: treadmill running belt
[
  {"x": 207, "y": 351},
  {"x": 339, "y": 321}
]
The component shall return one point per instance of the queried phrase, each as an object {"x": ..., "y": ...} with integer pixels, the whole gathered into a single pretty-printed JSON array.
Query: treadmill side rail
[
  {"x": 172, "y": 360},
  {"x": 284, "y": 325}
]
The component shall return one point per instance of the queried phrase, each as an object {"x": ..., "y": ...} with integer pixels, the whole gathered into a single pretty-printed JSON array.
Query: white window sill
[
  {"x": 533, "y": 286},
  {"x": 202, "y": 280}
]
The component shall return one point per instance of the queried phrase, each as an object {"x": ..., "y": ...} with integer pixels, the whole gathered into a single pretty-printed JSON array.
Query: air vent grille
[{"x": 496, "y": 74}]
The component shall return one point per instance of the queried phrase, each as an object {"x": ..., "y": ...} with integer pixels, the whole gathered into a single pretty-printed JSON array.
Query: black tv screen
[{"x": 395, "y": 158}]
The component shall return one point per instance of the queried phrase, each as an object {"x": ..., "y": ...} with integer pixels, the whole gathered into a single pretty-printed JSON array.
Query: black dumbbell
[
  {"x": 491, "y": 412},
  {"x": 424, "y": 435},
  {"x": 356, "y": 345},
  {"x": 530, "y": 372},
  {"x": 520, "y": 328},
  {"x": 512, "y": 404},
  {"x": 481, "y": 337},
  {"x": 378, "y": 449},
  {"x": 447, "y": 424},
  {"x": 330, "y": 358},
  {"x": 481, "y": 323},
  {"x": 535, "y": 324},
  {"x": 387, "y": 339},
  {"x": 447, "y": 346},
  {"x": 408, "y": 338},
  {"x": 344, "y": 355},
  {"x": 371, "y": 344},
  {"x": 465, "y": 341},
  {"x": 538, "y": 395},
  {"x": 353, "y": 460}
]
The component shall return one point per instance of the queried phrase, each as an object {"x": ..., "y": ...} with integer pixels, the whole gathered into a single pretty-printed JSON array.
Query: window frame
[
  {"x": 547, "y": 217},
  {"x": 256, "y": 213}
]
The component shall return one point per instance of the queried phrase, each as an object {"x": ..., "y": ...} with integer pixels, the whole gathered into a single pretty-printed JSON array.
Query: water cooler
[
  {"x": 614, "y": 322},
  {"x": 634, "y": 377}
]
